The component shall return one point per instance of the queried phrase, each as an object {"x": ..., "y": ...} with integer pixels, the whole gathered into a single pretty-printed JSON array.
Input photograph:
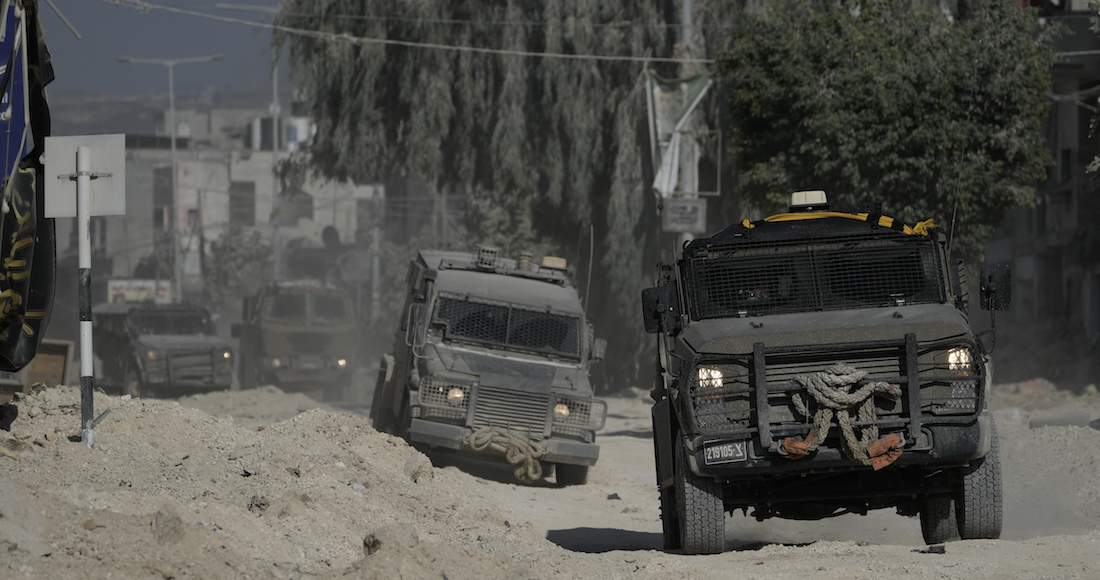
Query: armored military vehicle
[
  {"x": 298, "y": 336},
  {"x": 148, "y": 349},
  {"x": 817, "y": 363},
  {"x": 492, "y": 358}
]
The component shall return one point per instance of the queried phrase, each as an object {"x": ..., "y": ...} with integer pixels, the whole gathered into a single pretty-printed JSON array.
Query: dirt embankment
[{"x": 264, "y": 484}]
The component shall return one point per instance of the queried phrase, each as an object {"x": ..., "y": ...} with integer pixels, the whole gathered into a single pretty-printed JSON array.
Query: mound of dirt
[{"x": 266, "y": 484}]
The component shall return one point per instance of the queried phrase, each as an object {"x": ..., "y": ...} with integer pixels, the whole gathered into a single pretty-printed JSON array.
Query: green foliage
[
  {"x": 882, "y": 101},
  {"x": 239, "y": 264},
  {"x": 542, "y": 148}
]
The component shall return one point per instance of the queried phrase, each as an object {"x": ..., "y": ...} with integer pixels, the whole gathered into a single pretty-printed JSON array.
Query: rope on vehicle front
[
  {"x": 830, "y": 394},
  {"x": 518, "y": 450}
]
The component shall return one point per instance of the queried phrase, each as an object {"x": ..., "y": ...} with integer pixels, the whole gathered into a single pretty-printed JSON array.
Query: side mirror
[
  {"x": 599, "y": 349},
  {"x": 661, "y": 309},
  {"x": 996, "y": 287},
  {"x": 415, "y": 330}
]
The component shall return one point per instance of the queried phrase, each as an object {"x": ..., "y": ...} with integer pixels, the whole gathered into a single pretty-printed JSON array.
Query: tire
[
  {"x": 133, "y": 385},
  {"x": 700, "y": 509},
  {"x": 670, "y": 521},
  {"x": 980, "y": 506},
  {"x": 937, "y": 520},
  {"x": 569, "y": 474}
]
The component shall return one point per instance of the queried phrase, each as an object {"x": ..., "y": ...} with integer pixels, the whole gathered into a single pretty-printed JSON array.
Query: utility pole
[
  {"x": 276, "y": 201},
  {"x": 173, "y": 209}
]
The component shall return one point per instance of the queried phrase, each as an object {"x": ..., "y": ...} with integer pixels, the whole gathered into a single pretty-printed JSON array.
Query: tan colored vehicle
[{"x": 297, "y": 336}]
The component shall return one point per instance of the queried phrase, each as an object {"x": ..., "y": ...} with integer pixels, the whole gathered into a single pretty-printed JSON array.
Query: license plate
[{"x": 723, "y": 452}]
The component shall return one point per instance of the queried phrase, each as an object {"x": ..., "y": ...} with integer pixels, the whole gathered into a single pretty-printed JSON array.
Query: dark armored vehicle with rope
[
  {"x": 492, "y": 358},
  {"x": 818, "y": 363},
  {"x": 148, "y": 349}
]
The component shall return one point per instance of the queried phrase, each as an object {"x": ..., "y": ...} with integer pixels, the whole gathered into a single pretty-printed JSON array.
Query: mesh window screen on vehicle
[
  {"x": 803, "y": 276},
  {"x": 509, "y": 325}
]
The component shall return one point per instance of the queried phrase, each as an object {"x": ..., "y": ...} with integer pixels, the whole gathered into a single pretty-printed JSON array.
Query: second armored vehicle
[{"x": 492, "y": 357}]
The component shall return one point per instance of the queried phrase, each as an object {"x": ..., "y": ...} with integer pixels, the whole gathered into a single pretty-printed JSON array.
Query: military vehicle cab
[
  {"x": 160, "y": 350},
  {"x": 298, "y": 336},
  {"x": 492, "y": 359},
  {"x": 817, "y": 363}
]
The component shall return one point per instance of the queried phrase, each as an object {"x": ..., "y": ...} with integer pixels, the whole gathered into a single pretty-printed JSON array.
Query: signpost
[{"x": 100, "y": 190}]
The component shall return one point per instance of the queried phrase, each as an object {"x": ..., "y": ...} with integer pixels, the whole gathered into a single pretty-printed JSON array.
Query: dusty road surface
[{"x": 265, "y": 484}]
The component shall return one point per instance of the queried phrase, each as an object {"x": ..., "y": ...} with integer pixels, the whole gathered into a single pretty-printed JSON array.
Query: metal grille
[
  {"x": 723, "y": 394},
  {"x": 801, "y": 276},
  {"x": 517, "y": 410},
  {"x": 433, "y": 391},
  {"x": 190, "y": 366},
  {"x": 580, "y": 412},
  {"x": 509, "y": 325},
  {"x": 310, "y": 342}
]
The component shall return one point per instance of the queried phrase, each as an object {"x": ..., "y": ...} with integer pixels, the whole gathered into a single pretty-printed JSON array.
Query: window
[{"x": 242, "y": 203}]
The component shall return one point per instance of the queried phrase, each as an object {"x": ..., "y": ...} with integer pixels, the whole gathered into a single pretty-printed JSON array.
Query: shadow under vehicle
[
  {"x": 818, "y": 363},
  {"x": 492, "y": 359},
  {"x": 148, "y": 349},
  {"x": 297, "y": 336}
]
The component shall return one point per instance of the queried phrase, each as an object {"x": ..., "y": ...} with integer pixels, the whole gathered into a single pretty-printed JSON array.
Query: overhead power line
[{"x": 361, "y": 40}]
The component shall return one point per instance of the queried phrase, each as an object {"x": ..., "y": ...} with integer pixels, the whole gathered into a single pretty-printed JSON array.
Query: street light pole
[{"x": 177, "y": 266}]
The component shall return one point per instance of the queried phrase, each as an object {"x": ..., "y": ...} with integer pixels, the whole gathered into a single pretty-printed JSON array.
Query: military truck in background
[
  {"x": 492, "y": 358},
  {"x": 817, "y": 363},
  {"x": 298, "y": 336},
  {"x": 160, "y": 350}
]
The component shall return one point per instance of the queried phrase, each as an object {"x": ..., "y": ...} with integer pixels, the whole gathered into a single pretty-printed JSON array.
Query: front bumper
[
  {"x": 938, "y": 445},
  {"x": 451, "y": 437}
]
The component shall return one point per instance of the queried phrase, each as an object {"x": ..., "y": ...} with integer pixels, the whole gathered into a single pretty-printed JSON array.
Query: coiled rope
[
  {"x": 831, "y": 392},
  {"x": 518, "y": 450}
]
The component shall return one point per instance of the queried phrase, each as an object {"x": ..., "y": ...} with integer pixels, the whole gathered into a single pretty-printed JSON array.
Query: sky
[{"x": 111, "y": 30}]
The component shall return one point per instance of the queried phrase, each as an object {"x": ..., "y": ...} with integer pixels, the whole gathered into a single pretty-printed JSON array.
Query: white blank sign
[{"x": 107, "y": 162}]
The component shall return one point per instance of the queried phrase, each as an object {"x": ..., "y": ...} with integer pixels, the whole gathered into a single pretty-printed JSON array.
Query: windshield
[
  {"x": 289, "y": 307},
  {"x": 329, "y": 308},
  {"x": 153, "y": 322},
  {"x": 807, "y": 275},
  {"x": 509, "y": 325}
]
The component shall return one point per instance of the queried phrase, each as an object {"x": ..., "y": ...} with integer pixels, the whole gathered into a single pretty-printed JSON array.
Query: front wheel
[
  {"x": 979, "y": 509},
  {"x": 937, "y": 520},
  {"x": 700, "y": 508},
  {"x": 134, "y": 386},
  {"x": 568, "y": 474}
]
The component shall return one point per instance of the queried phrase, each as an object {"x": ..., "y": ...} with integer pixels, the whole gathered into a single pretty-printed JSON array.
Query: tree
[
  {"x": 542, "y": 148},
  {"x": 239, "y": 265},
  {"x": 934, "y": 116}
]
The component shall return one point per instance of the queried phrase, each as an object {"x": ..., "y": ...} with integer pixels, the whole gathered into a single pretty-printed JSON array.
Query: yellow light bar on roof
[{"x": 553, "y": 262}]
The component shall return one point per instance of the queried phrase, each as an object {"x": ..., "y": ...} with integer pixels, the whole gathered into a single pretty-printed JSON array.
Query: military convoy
[
  {"x": 150, "y": 349},
  {"x": 298, "y": 336},
  {"x": 492, "y": 358},
  {"x": 817, "y": 363}
]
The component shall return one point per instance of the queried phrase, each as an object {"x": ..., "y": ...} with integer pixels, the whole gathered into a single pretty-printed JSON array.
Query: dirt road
[{"x": 264, "y": 484}]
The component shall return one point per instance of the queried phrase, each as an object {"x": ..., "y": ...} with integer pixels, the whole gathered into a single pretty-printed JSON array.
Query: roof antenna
[{"x": 65, "y": 20}]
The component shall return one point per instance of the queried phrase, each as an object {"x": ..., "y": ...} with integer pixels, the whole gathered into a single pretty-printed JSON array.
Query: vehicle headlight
[
  {"x": 709, "y": 378},
  {"x": 227, "y": 354},
  {"x": 455, "y": 396},
  {"x": 151, "y": 354},
  {"x": 583, "y": 413},
  {"x": 958, "y": 359},
  {"x": 276, "y": 362},
  {"x": 342, "y": 362}
]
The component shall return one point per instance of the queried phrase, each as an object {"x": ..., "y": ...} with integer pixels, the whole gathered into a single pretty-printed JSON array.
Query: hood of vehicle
[
  {"x": 183, "y": 341},
  {"x": 506, "y": 370},
  {"x": 737, "y": 335}
]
